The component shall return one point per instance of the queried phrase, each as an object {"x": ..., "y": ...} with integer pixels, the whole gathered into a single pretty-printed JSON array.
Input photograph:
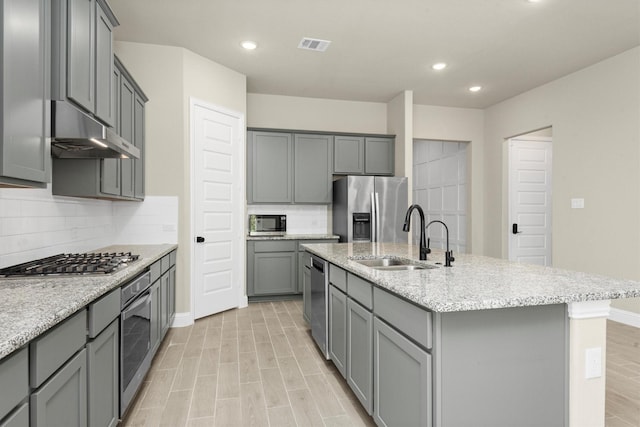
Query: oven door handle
[{"x": 130, "y": 311}]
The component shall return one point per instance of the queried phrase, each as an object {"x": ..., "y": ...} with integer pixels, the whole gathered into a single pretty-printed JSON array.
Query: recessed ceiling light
[
  {"x": 249, "y": 44},
  {"x": 439, "y": 66},
  {"x": 475, "y": 88}
]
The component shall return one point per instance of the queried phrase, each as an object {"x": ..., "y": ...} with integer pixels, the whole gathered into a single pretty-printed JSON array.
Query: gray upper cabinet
[
  {"x": 83, "y": 56},
  {"x": 25, "y": 159},
  {"x": 269, "y": 167},
  {"x": 348, "y": 157},
  {"x": 379, "y": 156},
  {"x": 312, "y": 168},
  {"x": 117, "y": 179},
  {"x": 105, "y": 102},
  {"x": 81, "y": 52},
  {"x": 363, "y": 155}
]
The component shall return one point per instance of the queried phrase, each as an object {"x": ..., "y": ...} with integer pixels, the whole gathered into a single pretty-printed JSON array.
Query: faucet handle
[{"x": 428, "y": 243}]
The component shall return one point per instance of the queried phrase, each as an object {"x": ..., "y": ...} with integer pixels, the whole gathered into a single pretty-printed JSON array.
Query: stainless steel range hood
[{"x": 77, "y": 135}]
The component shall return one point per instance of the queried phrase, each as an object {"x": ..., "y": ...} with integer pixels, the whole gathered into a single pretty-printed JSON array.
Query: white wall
[
  {"x": 595, "y": 114},
  {"x": 331, "y": 115}
]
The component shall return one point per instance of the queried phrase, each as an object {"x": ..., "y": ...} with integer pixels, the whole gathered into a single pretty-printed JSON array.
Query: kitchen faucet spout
[
  {"x": 407, "y": 225},
  {"x": 448, "y": 255}
]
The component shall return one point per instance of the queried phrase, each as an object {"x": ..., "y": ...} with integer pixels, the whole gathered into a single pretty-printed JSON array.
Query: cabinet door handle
[
  {"x": 514, "y": 229},
  {"x": 199, "y": 239}
]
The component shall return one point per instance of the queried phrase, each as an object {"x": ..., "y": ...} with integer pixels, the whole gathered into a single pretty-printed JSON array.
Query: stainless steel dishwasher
[{"x": 319, "y": 303}]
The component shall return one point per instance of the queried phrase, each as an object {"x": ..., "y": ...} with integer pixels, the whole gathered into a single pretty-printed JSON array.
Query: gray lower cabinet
[
  {"x": 338, "y": 329},
  {"x": 25, "y": 150},
  {"x": 167, "y": 284},
  {"x": 62, "y": 399},
  {"x": 156, "y": 327},
  {"x": 14, "y": 377},
  {"x": 360, "y": 353},
  {"x": 402, "y": 373},
  {"x": 274, "y": 273},
  {"x": 171, "y": 303},
  {"x": 312, "y": 169},
  {"x": 103, "y": 356},
  {"x": 19, "y": 418},
  {"x": 164, "y": 306}
]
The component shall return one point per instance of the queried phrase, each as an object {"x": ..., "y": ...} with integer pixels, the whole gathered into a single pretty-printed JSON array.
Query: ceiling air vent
[{"x": 314, "y": 44}]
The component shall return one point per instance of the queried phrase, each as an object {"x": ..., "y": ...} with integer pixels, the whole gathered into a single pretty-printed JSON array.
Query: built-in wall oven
[{"x": 135, "y": 337}]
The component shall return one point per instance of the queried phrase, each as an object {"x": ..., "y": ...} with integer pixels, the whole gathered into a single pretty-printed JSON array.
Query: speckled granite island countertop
[
  {"x": 474, "y": 282},
  {"x": 30, "y": 306},
  {"x": 296, "y": 237}
]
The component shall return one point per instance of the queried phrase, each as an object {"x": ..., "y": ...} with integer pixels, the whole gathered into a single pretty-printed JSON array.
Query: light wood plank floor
[
  {"x": 623, "y": 375},
  {"x": 259, "y": 367},
  {"x": 252, "y": 367}
]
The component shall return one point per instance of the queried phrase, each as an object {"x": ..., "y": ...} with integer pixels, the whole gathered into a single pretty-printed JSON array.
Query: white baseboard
[
  {"x": 182, "y": 319},
  {"x": 627, "y": 317}
]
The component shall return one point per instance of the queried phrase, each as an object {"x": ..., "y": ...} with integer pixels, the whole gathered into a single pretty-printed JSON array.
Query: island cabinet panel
[
  {"x": 506, "y": 367},
  {"x": 402, "y": 375},
  {"x": 360, "y": 290},
  {"x": 14, "y": 377},
  {"x": 412, "y": 320},
  {"x": 338, "y": 329},
  {"x": 62, "y": 400},
  {"x": 360, "y": 353}
]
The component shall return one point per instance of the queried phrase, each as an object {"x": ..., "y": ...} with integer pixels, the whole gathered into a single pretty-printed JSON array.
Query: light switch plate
[{"x": 577, "y": 203}]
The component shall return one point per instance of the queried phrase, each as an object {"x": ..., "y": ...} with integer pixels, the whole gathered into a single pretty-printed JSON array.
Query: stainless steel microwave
[{"x": 267, "y": 225}]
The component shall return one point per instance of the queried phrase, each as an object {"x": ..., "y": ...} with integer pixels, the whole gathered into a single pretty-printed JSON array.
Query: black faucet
[
  {"x": 448, "y": 255},
  {"x": 424, "y": 250}
]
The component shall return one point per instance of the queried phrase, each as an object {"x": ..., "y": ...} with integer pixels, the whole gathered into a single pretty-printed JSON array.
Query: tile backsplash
[
  {"x": 35, "y": 224},
  {"x": 301, "y": 219}
]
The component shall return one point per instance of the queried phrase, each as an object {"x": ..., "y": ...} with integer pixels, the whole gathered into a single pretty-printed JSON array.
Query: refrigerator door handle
[
  {"x": 377, "y": 218},
  {"x": 374, "y": 218}
]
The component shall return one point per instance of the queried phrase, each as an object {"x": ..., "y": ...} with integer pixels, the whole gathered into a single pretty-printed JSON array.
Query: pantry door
[
  {"x": 530, "y": 200},
  {"x": 217, "y": 140}
]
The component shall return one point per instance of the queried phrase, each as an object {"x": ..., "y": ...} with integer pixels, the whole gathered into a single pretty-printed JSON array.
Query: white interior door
[
  {"x": 217, "y": 202},
  {"x": 530, "y": 200}
]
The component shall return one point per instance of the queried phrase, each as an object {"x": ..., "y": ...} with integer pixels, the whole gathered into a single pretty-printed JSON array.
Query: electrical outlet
[
  {"x": 577, "y": 203},
  {"x": 593, "y": 362}
]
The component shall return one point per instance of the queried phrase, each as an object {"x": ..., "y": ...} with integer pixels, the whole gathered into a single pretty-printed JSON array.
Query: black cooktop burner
[{"x": 89, "y": 263}]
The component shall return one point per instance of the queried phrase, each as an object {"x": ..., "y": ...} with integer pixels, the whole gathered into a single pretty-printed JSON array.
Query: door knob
[
  {"x": 199, "y": 239},
  {"x": 514, "y": 229}
]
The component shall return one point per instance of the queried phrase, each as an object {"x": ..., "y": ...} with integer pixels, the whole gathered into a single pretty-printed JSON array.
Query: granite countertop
[
  {"x": 474, "y": 282},
  {"x": 30, "y": 306},
  {"x": 295, "y": 237}
]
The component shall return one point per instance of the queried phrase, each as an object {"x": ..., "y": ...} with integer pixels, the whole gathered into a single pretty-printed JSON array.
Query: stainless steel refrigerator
[{"x": 370, "y": 209}]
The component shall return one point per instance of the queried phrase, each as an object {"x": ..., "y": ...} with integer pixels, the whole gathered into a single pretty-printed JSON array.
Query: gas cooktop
[{"x": 63, "y": 264}]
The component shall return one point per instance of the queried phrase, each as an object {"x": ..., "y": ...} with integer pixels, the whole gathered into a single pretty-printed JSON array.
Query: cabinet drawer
[
  {"x": 360, "y": 290},
  {"x": 51, "y": 351},
  {"x": 165, "y": 262},
  {"x": 404, "y": 316},
  {"x": 103, "y": 311},
  {"x": 275, "y": 246},
  {"x": 172, "y": 258},
  {"x": 338, "y": 277},
  {"x": 155, "y": 270},
  {"x": 14, "y": 377}
]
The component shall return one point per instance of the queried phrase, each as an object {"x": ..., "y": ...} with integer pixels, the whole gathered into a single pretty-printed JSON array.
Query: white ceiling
[{"x": 380, "y": 48}]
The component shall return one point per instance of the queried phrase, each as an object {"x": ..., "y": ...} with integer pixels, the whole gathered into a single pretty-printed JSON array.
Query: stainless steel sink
[{"x": 392, "y": 264}]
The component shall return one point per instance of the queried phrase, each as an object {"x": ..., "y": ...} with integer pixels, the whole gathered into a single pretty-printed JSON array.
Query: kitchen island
[{"x": 485, "y": 342}]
